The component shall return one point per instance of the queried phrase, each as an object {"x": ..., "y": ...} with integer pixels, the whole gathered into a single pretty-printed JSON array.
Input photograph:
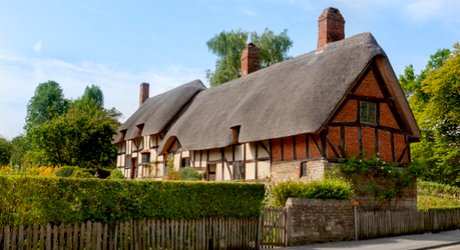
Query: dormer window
[{"x": 368, "y": 112}]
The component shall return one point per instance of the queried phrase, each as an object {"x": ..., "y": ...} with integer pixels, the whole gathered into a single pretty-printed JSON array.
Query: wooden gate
[{"x": 273, "y": 228}]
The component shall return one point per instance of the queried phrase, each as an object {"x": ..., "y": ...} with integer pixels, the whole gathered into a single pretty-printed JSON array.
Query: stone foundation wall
[{"x": 312, "y": 220}]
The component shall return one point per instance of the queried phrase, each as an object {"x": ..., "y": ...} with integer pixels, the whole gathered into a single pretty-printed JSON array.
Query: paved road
[{"x": 447, "y": 240}]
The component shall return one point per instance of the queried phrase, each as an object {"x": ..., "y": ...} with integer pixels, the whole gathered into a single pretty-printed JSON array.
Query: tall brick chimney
[
  {"x": 331, "y": 27},
  {"x": 249, "y": 59},
  {"x": 144, "y": 93}
]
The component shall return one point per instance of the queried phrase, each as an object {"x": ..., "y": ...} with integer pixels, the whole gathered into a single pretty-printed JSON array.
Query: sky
[{"x": 117, "y": 45}]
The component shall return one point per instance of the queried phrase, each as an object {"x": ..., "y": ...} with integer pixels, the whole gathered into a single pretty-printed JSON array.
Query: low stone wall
[{"x": 312, "y": 220}]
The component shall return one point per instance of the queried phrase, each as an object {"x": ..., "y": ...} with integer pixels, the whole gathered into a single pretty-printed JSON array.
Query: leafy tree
[
  {"x": 92, "y": 96},
  {"x": 5, "y": 151},
  {"x": 78, "y": 138},
  {"x": 434, "y": 95},
  {"x": 229, "y": 45},
  {"x": 81, "y": 136},
  {"x": 20, "y": 145},
  {"x": 47, "y": 103}
]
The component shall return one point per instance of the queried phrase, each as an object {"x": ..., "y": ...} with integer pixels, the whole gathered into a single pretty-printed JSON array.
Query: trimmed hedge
[
  {"x": 326, "y": 189},
  {"x": 28, "y": 200}
]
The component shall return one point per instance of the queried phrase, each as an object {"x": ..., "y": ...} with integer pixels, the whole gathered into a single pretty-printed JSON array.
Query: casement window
[
  {"x": 145, "y": 158},
  {"x": 185, "y": 162},
  {"x": 368, "y": 112},
  {"x": 303, "y": 169},
  {"x": 238, "y": 170},
  {"x": 127, "y": 161}
]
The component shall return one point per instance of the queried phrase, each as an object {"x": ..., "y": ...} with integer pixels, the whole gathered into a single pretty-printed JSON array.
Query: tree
[
  {"x": 48, "y": 102},
  {"x": 229, "y": 45},
  {"x": 434, "y": 95},
  {"x": 78, "y": 138},
  {"x": 20, "y": 145},
  {"x": 5, "y": 151},
  {"x": 92, "y": 96}
]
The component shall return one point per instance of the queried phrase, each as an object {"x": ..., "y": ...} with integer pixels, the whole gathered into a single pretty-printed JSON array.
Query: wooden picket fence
[
  {"x": 207, "y": 233},
  {"x": 273, "y": 228},
  {"x": 390, "y": 223}
]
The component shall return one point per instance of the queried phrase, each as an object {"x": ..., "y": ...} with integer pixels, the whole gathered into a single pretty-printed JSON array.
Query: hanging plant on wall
[{"x": 377, "y": 179}]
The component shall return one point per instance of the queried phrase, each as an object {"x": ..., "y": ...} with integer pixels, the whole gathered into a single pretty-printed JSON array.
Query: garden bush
[
  {"x": 189, "y": 174},
  {"x": 34, "y": 199},
  {"x": 116, "y": 174},
  {"x": 437, "y": 189},
  {"x": 328, "y": 188}
]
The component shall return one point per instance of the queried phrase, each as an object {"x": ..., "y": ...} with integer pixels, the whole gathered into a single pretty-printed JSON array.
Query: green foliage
[
  {"x": 374, "y": 178},
  {"x": 189, "y": 174},
  {"x": 80, "y": 173},
  {"x": 229, "y": 45},
  {"x": 116, "y": 174},
  {"x": 65, "y": 171},
  {"x": 28, "y": 200},
  {"x": 437, "y": 189},
  {"x": 5, "y": 151},
  {"x": 434, "y": 96},
  {"x": 173, "y": 174},
  {"x": 20, "y": 145},
  {"x": 425, "y": 202},
  {"x": 47, "y": 103},
  {"x": 325, "y": 189},
  {"x": 82, "y": 138}
]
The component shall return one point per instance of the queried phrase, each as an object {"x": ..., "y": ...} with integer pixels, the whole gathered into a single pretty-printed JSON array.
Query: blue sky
[{"x": 119, "y": 44}]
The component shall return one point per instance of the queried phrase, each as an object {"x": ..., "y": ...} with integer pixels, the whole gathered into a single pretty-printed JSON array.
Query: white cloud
[
  {"x": 426, "y": 10},
  {"x": 248, "y": 12},
  {"x": 38, "y": 46},
  {"x": 19, "y": 77}
]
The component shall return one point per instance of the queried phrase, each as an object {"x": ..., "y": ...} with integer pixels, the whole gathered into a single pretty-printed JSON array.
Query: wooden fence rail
[
  {"x": 390, "y": 223},
  {"x": 208, "y": 233}
]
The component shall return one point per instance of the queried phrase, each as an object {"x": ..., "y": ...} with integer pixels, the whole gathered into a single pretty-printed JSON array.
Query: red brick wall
[
  {"x": 384, "y": 145},
  {"x": 400, "y": 144},
  {"x": 334, "y": 137},
  {"x": 300, "y": 147},
  {"x": 313, "y": 149},
  {"x": 351, "y": 141},
  {"x": 386, "y": 117},
  {"x": 348, "y": 113},
  {"x": 369, "y": 87},
  {"x": 368, "y": 141},
  {"x": 276, "y": 150},
  {"x": 288, "y": 149}
]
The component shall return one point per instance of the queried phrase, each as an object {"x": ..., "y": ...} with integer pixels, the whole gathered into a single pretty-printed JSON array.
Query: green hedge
[
  {"x": 27, "y": 200},
  {"x": 326, "y": 189}
]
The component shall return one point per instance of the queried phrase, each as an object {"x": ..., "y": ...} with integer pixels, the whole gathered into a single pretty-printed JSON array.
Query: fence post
[{"x": 355, "y": 214}]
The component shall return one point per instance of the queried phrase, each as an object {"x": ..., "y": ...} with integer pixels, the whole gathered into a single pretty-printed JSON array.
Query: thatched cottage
[{"x": 286, "y": 121}]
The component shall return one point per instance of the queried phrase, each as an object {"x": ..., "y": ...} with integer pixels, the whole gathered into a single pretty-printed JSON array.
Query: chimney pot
[
  {"x": 249, "y": 59},
  {"x": 331, "y": 27},
  {"x": 143, "y": 93}
]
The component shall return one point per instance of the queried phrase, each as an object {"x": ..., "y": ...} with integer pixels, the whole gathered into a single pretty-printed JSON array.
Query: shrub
[
  {"x": 116, "y": 174},
  {"x": 326, "y": 189},
  {"x": 65, "y": 171},
  {"x": 79, "y": 173},
  {"x": 437, "y": 189},
  {"x": 39, "y": 200},
  {"x": 189, "y": 174}
]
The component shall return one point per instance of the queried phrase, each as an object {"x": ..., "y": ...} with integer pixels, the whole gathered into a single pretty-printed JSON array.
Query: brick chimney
[
  {"x": 249, "y": 59},
  {"x": 143, "y": 93},
  {"x": 331, "y": 27}
]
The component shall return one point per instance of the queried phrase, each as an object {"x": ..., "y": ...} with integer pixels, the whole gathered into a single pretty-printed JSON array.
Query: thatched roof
[
  {"x": 158, "y": 111},
  {"x": 288, "y": 98}
]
